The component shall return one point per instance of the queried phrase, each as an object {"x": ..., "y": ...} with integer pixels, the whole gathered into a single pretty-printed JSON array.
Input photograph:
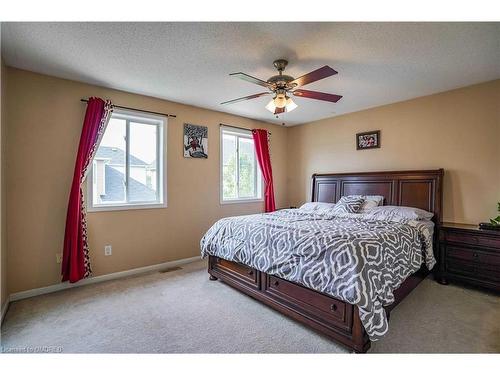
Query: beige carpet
[{"x": 182, "y": 311}]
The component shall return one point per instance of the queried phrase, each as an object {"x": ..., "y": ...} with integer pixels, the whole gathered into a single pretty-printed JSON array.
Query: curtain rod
[
  {"x": 135, "y": 109},
  {"x": 237, "y": 127}
]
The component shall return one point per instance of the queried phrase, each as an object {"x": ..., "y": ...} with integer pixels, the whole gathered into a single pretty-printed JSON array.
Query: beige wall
[
  {"x": 44, "y": 119},
  {"x": 457, "y": 130}
]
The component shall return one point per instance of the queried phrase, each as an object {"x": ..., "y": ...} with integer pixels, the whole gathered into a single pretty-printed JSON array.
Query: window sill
[
  {"x": 253, "y": 200},
  {"x": 127, "y": 207}
]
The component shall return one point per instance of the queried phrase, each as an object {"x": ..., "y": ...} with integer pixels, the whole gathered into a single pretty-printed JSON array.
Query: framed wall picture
[
  {"x": 368, "y": 140},
  {"x": 195, "y": 141}
]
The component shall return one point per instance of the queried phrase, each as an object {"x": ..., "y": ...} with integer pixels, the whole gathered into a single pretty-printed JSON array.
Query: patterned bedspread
[{"x": 348, "y": 256}]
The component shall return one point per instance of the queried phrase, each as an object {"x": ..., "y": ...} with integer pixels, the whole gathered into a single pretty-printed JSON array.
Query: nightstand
[{"x": 470, "y": 255}]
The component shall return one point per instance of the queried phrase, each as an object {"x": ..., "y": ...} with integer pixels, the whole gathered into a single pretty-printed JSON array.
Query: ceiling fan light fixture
[
  {"x": 280, "y": 100},
  {"x": 281, "y": 84},
  {"x": 290, "y": 105},
  {"x": 271, "y": 107}
]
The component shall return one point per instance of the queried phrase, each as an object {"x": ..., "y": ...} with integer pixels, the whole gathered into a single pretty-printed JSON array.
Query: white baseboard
[
  {"x": 4, "y": 309},
  {"x": 98, "y": 279}
]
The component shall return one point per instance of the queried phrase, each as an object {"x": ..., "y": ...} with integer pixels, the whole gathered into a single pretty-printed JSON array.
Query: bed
[{"x": 353, "y": 310}]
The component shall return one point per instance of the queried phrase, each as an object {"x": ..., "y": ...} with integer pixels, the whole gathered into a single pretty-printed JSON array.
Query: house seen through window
[
  {"x": 127, "y": 169},
  {"x": 240, "y": 174}
]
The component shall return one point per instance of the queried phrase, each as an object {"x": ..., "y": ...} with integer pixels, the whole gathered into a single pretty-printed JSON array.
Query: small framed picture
[
  {"x": 195, "y": 141},
  {"x": 368, "y": 140}
]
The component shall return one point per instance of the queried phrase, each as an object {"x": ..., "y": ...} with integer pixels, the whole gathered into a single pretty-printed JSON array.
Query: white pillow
[
  {"x": 389, "y": 212},
  {"x": 317, "y": 206}
]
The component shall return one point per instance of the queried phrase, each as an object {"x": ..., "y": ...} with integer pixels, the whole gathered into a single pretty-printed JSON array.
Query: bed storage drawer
[
  {"x": 325, "y": 308},
  {"x": 236, "y": 271}
]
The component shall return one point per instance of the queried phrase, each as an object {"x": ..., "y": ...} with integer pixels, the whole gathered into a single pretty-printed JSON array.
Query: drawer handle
[
  {"x": 276, "y": 283},
  {"x": 250, "y": 272},
  {"x": 475, "y": 255},
  {"x": 333, "y": 307}
]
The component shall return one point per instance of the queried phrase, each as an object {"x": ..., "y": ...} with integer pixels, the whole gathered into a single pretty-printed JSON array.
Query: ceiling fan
[{"x": 282, "y": 86}]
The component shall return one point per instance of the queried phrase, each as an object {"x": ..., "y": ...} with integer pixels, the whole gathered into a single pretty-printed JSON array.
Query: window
[
  {"x": 128, "y": 167},
  {"x": 240, "y": 174}
]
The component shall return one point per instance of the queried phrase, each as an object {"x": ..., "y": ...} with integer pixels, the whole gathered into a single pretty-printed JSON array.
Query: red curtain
[
  {"x": 75, "y": 262},
  {"x": 261, "y": 142}
]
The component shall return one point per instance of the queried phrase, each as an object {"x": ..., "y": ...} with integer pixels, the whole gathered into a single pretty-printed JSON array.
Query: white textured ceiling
[{"x": 378, "y": 63}]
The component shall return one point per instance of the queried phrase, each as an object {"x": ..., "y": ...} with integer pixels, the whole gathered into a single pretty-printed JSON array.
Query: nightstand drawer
[
  {"x": 481, "y": 271},
  {"x": 472, "y": 255},
  {"x": 465, "y": 238},
  {"x": 489, "y": 242},
  {"x": 461, "y": 238}
]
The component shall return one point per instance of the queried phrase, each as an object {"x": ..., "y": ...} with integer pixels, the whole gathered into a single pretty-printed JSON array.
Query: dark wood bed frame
[{"x": 337, "y": 319}]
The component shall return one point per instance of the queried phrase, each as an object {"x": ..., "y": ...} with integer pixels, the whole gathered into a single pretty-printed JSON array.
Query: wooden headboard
[{"x": 421, "y": 189}]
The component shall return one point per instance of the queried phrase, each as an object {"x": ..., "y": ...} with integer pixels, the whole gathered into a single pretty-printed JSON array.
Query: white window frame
[
  {"x": 161, "y": 157},
  {"x": 239, "y": 133}
]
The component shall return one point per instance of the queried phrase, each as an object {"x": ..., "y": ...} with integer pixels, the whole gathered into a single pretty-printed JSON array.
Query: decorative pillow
[
  {"x": 349, "y": 204},
  {"x": 317, "y": 206},
  {"x": 371, "y": 201},
  {"x": 389, "y": 212}
]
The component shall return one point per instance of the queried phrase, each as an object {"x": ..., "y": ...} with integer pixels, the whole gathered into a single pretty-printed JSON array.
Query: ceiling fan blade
[
  {"x": 248, "y": 78},
  {"x": 246, "y": 98},
  {"x": 277, "y": 110},
  {"x": 317, "y": 95},
  {"x": 314, "y": 76}
]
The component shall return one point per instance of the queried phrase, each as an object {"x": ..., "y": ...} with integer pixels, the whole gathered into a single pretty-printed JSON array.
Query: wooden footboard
[
  {"x": 332, "y": 317},
  {"x": 337, "y": 319}
]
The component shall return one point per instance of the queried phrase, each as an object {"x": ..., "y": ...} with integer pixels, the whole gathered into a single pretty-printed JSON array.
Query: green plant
[{"x": 496, "y": 221}]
